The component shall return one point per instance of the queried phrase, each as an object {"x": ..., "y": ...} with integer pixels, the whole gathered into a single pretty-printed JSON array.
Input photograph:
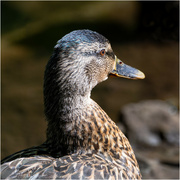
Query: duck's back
[{"x": 89, "y": 166}]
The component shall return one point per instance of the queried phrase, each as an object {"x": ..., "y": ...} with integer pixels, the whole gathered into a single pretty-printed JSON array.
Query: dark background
[{"x": 143, "y": 34}]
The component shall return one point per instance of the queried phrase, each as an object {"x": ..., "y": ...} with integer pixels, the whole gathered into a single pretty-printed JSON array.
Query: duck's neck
[
  {"x": 66, "y": 98},
  {"x": 64, "y": 122}
]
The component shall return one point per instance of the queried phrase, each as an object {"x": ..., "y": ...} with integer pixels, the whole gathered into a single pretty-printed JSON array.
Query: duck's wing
[
  {"x": 91, "y": 166},
  {"x": 36, "y": 150}
]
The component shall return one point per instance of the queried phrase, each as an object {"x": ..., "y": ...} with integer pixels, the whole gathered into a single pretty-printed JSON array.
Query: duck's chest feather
[{"x": 93, "y": 132}]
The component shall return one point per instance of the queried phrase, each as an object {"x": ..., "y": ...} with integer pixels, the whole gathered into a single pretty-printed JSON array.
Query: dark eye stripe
[{"x": 111, "y": 54}]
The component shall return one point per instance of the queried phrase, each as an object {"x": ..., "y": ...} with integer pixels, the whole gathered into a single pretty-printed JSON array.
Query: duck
[{"x": 82, "y": 141}]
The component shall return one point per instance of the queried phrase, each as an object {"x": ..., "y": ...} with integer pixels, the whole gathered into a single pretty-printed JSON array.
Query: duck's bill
[{"x": 125, "y": 71}]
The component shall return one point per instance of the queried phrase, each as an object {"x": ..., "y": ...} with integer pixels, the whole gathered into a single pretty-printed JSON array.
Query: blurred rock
[
  {"x": 153, "y": 169},
  {"x": 152, "y": 129},
  {"x": 151, "y": 122}
]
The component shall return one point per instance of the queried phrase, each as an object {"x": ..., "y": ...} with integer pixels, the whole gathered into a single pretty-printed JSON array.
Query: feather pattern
[{"x": 74, "y": 166}]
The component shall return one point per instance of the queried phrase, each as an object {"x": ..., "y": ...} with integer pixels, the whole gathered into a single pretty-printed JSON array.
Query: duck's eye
[{"x": 102, "y": 52}]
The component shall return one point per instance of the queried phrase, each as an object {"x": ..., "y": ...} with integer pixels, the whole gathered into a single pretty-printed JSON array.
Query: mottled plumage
[{"x": 82, "y": 141}]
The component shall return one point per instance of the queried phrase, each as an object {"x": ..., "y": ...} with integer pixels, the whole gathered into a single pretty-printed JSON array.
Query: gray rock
[
  {"x": 152, "y": 128},
  {"x": 153, "y": 169},
  {"x": 151, "y": 122}
]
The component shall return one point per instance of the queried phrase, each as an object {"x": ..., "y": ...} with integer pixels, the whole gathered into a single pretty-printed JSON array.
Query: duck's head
[{"x": 81, "y": 60}]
